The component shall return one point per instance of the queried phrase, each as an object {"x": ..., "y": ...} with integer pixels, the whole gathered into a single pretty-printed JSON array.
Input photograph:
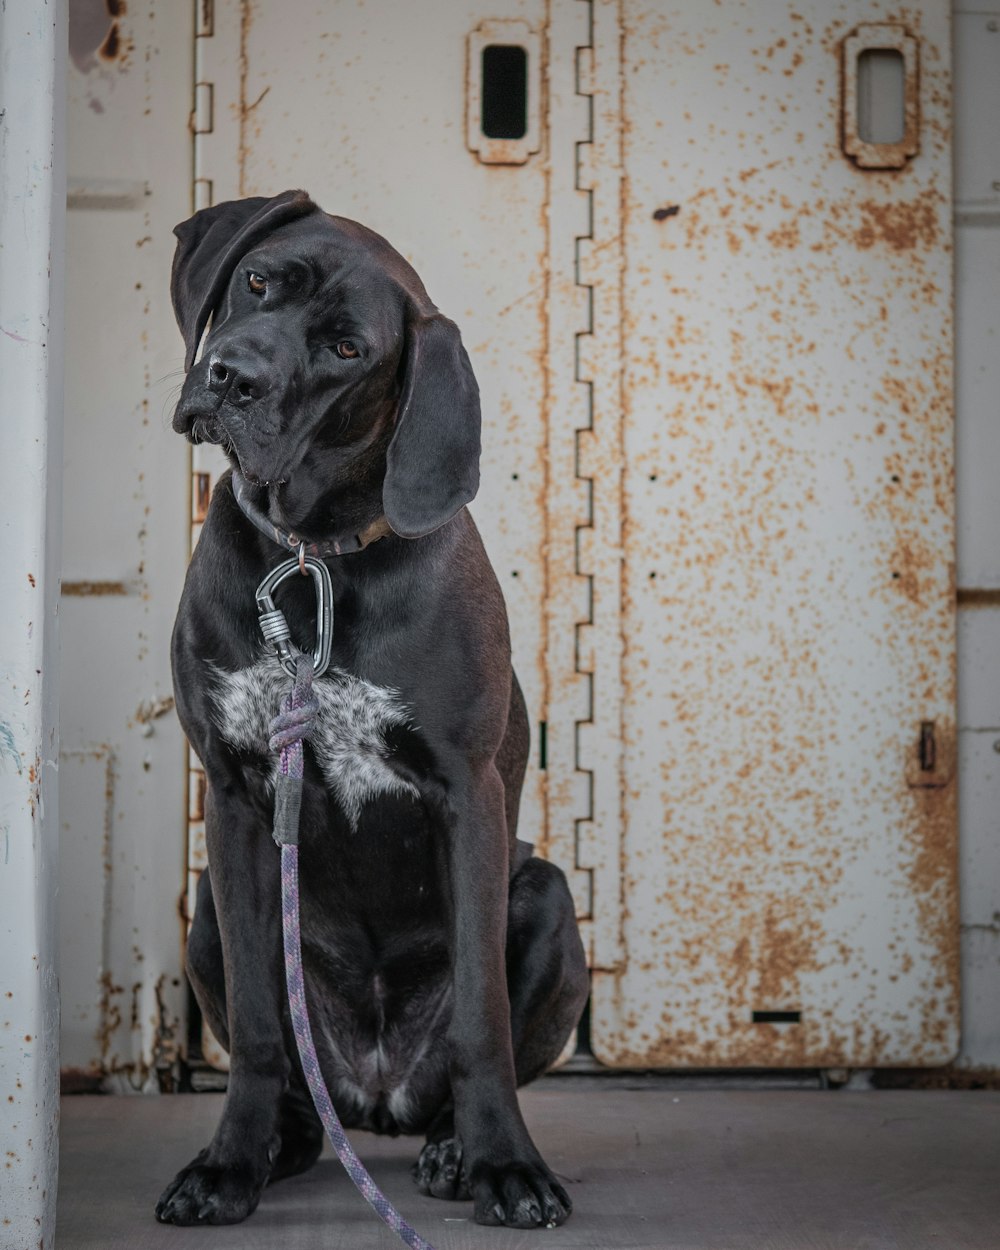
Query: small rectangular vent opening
[
  {"x": 881, "y": 96},
  {"x": 505, "y": 91},
  {"x": 777, "y": 1017}
]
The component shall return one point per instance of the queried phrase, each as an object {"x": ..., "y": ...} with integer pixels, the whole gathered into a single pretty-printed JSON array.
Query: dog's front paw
[
  {"x": 204, "y": 1194},
  {"x": 519, "y": 1195},
  {"x": 438, "y": 1171}
]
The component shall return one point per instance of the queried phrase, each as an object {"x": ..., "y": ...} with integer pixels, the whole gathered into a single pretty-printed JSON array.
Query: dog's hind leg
[
  {"x": 301, "y": 1133},
  {"x": 547, "y": 977},
  {"x": 205, "y": 967}
]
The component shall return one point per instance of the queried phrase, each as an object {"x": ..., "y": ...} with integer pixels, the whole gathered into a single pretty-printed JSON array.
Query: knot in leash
[
  {"x": 297, "y": 718},
  {"x": 294, "y": 722}
]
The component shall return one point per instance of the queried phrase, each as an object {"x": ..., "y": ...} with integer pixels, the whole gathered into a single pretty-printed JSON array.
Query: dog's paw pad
[{"x": 438, "y": 1171}]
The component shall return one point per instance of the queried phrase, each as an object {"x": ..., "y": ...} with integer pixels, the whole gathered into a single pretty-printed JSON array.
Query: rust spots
[
  {"x": 88, "y": 589},
  {"x": 110, "y": 49},
  {"x": 110, "y": 1017},
  {"x": 31, "y": 579},
  {"x": 151, "y": 709},
  {"x": 96, "y": 35},
  {"x": 902, "y": 226},
  {"x": 202, "y": 496},
  {"x": 786, "y": 235},
  {"x": 75, "y": 1080},
  {"x": 914, "y": 568}
]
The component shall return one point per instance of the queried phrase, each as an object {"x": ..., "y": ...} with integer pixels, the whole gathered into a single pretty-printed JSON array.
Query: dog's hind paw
[
  {"x": 203, "y": 1194},
  {"x": 519, "y": 1195},
  {"x": 438, "y": 1171}
]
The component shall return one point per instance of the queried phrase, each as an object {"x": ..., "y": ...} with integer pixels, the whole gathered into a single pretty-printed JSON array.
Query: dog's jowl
[{"x": 442, "y": 959}]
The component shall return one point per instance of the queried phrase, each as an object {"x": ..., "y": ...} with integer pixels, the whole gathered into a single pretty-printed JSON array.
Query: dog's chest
[{"x": 349, "y": 738}]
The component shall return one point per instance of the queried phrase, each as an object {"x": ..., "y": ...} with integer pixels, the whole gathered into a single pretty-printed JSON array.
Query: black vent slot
[
  {"x": 505, "y": 91},
  {"x": 777, "y": 1017}
]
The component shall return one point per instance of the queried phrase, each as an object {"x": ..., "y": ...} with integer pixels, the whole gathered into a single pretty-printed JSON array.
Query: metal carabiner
[{"x": 273, "y": 624}]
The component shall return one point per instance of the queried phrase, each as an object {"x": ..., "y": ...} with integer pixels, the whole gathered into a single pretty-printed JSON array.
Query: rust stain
[
  {"x": 88, "y": 589},
  {"x": 978, "y": 597},
  {"x": 110, "y": 1018},
  {"x": 151, "y": 709},
  {"x": 902, "y": 226},
  {"x": 110, "y": 49},
  {"x": 243, "y": 145}
]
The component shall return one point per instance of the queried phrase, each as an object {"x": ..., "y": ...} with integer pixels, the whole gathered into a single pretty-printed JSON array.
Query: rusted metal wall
[
  {"x": 125, "y": 543},
  {"x": 708, "y": 451},
  {"x": 789, "y": 846}
]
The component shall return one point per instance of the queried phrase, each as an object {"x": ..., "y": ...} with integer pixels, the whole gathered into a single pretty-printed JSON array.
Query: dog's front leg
[
  {"x": 223, "y": 1184},
  {"x": 510, "y": 1182}
]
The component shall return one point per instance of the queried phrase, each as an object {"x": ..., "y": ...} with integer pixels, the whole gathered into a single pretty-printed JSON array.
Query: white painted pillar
[{"x": 32, "y": 252}]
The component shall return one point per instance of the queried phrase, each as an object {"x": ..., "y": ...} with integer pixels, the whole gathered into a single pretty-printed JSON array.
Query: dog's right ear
[{"x": 209, "y": 247}]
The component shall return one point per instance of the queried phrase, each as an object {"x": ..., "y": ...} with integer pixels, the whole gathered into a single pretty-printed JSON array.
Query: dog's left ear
[
  {"x": 433, "y": 459},
  {"x": 210, "y": 245}
]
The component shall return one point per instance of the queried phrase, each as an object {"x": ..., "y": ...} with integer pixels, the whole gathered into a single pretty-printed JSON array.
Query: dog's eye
[
  {"x": 257, "y": 283},
  {"x": 346, "y": 350}
]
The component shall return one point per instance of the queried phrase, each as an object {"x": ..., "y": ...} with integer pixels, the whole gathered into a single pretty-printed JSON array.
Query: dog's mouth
[
  {"x": 207, "y": 428},
  {"x": 210, "y": 428}
]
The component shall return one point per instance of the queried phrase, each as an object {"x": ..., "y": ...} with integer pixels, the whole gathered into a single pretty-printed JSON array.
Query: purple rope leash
[{"x": 292, "y": 724}]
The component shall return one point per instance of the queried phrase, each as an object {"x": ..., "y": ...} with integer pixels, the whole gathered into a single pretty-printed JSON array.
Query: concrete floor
[{"x": 647, "y": 1169}]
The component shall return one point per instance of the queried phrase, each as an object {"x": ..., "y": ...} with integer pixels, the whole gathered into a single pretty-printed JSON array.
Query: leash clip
[{"x": 273, "y": 624}]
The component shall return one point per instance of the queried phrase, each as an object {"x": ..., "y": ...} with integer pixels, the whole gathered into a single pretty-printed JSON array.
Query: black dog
[{"x": 443, "y": 962}]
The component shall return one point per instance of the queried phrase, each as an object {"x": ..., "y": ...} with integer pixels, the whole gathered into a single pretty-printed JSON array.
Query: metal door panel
[
  {"x": 977, "y": 365},
  {"x": 788, "y": 599},
  {"x": 979, "y": 761}
]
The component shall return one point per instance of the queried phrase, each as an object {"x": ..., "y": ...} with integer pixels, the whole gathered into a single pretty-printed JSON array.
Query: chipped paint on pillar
[{"x": 788, "y": 606}]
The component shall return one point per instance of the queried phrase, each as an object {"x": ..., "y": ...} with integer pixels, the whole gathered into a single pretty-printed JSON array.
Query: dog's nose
[{"x": 236, "y": 380}]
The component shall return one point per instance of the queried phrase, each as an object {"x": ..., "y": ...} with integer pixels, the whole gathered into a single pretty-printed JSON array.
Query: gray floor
[{"x": 650, "y": 1169}]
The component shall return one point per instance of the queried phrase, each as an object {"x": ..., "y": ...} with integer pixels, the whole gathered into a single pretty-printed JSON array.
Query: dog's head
[{"x": 323, "y": 350}]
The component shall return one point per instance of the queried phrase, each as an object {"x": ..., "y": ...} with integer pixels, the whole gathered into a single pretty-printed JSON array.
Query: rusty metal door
[{"x": 788, "y": 831}]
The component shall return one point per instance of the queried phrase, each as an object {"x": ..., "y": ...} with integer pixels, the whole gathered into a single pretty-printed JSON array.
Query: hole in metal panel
[
  {"x": 505, "y": 91},
  {"x": 881, "y": 96},
  {"x": 777, "y": 1017}
]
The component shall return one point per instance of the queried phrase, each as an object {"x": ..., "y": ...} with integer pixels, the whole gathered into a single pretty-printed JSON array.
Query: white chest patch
[{"x": 348, "y": 740}]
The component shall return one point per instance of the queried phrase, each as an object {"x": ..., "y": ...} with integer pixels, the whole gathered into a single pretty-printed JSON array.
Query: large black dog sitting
[{"x": 443, "y": 963}]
